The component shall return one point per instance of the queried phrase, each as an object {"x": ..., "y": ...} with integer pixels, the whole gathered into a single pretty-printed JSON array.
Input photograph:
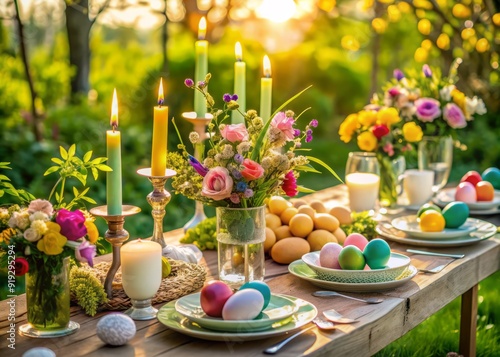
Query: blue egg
[
  {"x": 261, "y": 287},
  {"x": 455, "y": 214},
  {"x": 377, "y": 253}
]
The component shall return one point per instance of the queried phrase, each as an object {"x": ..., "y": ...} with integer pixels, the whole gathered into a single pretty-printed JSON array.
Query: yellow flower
[
  {"x": 367, "y": 117},
  {"x": 92, "y": 232},
  {"x": 388, "y": 116},
  {"x": 7, "y": 234},
  {"x": 52, "y": 242},
  {"x": 367, "y": 141},
  {"x": 412, "y": 132},
  {"x": 348, "y": 127},
  {"x": 459, "y": 99}
]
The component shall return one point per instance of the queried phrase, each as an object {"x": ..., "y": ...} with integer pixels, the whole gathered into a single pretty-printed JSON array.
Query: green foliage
[
  {"x": 362, "y": 223},
  {"x": 86, "y": 289},
  {"x": 6, "y": 187},
  {"x": 204, "y": 235}
]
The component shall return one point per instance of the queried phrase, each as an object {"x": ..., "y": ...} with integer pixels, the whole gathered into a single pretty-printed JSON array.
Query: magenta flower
[
  {"x": 454, "y": 116},
  {"x": 198, "y": 166},
  {"x": 86, "y": 252},
  {"x": 389, "y": 149},
  {"x": 427, "y": 109},
  {"x": 21, "y": 266},
  {"x": 72, "y": 224},
  {"x": 226, "y": 97},
  {"x": 289, "y": 185},
  {"x": 380, "y": 131},
  {"x": 394, "y": 91},
  {"x": 217, "y": 184},
  {"x": 284, "y": 124},
  {"x": 235, "y": 132},
  {"x": 189, "y": 82}
]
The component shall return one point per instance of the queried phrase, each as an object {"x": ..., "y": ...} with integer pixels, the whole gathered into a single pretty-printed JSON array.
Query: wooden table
[{"x": 403, "y": 308}]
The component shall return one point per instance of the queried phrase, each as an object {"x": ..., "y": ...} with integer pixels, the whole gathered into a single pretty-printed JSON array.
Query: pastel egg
[
  {"x": 243, "y": 305},
  {"x": 466, "y": 192},
  {"x": 455, "y": 214},
  {"x": 260, "y": 286},
  {"x": 329, "y": 256},
  {"x": 377, "y": 253},
  {"x": 357, "y": 240}
]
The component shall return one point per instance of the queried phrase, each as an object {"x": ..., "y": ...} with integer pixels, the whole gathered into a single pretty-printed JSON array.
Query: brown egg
[
  {"x": 282, "y": 232},
  {"x": 272, "y": 220},
  {"x": 298, "y": 202},
  {"x": 287, "y": 214},
  {"x": 325, "y": 221},
  {"x": 270, "y": 239},
  {"x": 340, "y": 235},
  {"x": 318, "y": 206},
  {"x": 343, "y": 214},
  {"x": 307, "y": 210},
  {"x": 318, "y": 238}
]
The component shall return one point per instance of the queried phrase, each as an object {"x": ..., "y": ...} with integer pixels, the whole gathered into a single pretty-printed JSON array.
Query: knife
[{"x": 423, "y": 252}]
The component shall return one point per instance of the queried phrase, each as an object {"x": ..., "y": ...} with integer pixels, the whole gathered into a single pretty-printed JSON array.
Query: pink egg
[
  {"x": 466, "y": 192},
  {"x": 329, "y": 256},
  {"x": 357, "y": 240}
]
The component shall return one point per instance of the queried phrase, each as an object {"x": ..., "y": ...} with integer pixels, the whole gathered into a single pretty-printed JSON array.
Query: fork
[
  {"x": 334, "y": 293},
  {"x": 434, "y": 270}
]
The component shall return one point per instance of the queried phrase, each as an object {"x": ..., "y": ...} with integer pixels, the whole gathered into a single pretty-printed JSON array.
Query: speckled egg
[
  {"x": 115, "y": 329},
  {"x": 39, "y": 352}
]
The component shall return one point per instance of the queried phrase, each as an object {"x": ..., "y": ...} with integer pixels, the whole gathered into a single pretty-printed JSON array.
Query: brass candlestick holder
[
  {"x": 116, "y": 235},
  {"x": 158, "y": 199},
  {"x": 200, "y": 126}
]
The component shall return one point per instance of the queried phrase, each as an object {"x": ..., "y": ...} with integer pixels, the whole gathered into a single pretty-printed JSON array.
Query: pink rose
[
  {"x": 217, "y": 184},
  {"x": 454, "y": 116},
  {"x": 284, "y": 124},
  {"x": 72, "y": 224},
  {"x": 235, "y": 132},
  {"x": 251, "y": 170},
  {"x": 42, "y": 206}
]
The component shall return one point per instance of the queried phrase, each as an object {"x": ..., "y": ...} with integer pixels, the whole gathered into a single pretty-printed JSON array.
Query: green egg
[
  {"x": 455, "y": 214},
  {"x": 426, "y": 207},
  {"x": 261, "y": 287},
  {"x": 492, "y": 175},
  {"x": 377, "y": 253}
]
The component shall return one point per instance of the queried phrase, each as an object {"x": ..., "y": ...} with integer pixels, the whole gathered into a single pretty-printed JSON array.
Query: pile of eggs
[
  {"x": 357, "y": 254},
  {"x": 432, "y": 219},
  {"x": 296, "y": 228},
  {"x": 474, "y": 187},
  {"x": 217, "y": 299}
]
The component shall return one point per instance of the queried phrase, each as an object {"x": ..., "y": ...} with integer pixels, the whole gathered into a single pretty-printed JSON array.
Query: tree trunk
[
  {"x": 78, "y": 27},
  {"x": 164, "y": 41}
]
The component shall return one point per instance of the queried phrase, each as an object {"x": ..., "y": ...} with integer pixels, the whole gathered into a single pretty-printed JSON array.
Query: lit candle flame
[
  {"x": 238, "y": 51},
  {"x": 114, "y": 111},
  {"x": 202, "y": 28},
  {"x": 267, "y": 67},
  {"x": 161, "y": 98}
]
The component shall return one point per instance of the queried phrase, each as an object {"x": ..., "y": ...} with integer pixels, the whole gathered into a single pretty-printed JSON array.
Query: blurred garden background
[{"x": 61, "y": 59}]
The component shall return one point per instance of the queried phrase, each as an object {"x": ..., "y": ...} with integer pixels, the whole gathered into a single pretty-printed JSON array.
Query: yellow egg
[
  {"x": 282, "y": 232},
  {"x": 289, "y": 249},
  {"x": 272, "y": 220},
  {"x": 277, "y": 205},
  {"x": 307, "y": 210},
  {"x": 343, "y": 214},
  {"x": 340, "y": 235},
  {"x": 325, "y": 221},
  {"x": 270, "y": 239},
  {"x": 299, "y": 202},
  {"x": 287, "y": 214},
  {"x": 301, "y": 225},
  {"x": 318, "y": 206},
  {"x": 318, "y": 238}
]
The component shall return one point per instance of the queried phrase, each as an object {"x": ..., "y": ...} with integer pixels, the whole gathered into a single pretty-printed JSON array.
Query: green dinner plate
[{"x": 279, "y": 308}]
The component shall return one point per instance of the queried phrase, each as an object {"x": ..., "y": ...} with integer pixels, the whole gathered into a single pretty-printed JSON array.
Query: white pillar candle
[
  {"x": 141, "y": 269},
  {"x": 363, "y": 190}
]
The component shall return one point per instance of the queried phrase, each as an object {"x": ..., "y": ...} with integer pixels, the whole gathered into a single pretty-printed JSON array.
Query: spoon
[
  {"x": 337, "y": 317},
  {"x": 324, "y": 324},
  {"x": 275, "y": 348},
  {"x": 334, "y": 293}
]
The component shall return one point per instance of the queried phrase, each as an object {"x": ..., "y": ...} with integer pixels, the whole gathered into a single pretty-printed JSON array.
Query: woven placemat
[{"x": 183, "y": 279}]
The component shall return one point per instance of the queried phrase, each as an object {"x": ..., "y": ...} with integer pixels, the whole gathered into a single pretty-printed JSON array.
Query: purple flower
[
  {"x": 296, "y": 132},
  {"x": 198, "y": 166},
  {"x": 398, "y": 74},
  {"x": 234, "y": 97},
  {"x": 236, "y": 174},
  {"x": 394, "y": 91},
  {"x": 202, "y": 84},
  {"x": 235, "y": 198},
  {"x": 86, "y": 252},
  {"x": 238, "y": 158},
  {"x": 241, "y": 186},
  {"x": 427, "y": 71},
  {"x": 248, "y": 193},
  {"x": 72, "y": 224},
  {"x": 309, "y": 135},
  {"x": 427, "y": 109},
  {"x": 189, "y": 82},
  {"x": 314, "y": 123},
  {"x": 454, "y": 116},
  {"x": 226, "y": 97}
]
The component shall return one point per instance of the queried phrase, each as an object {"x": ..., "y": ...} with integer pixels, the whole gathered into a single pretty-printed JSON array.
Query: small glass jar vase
[
  {"x": 390, "y": 184},
  {"x": 48, "y": 300},
  {"x": 241, "y": 233}
]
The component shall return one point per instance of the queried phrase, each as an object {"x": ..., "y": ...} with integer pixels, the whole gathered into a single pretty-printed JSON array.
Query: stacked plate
[
  {"x": 283, "y": 314},
  {"x": 479, "y": 208}
]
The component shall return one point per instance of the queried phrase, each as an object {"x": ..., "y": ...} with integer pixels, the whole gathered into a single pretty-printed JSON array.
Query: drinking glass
[
  {"x": 435, "y": 153},
  {"x": 362, "y": 177}
]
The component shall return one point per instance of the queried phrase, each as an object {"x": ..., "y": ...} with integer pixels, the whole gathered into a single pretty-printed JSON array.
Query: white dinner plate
[
  {"x": 447, "y": 195},
  {"x": 409, "y": 224},
  {"x": 279, "y": 308},
  {"x": 302, "y": 271},
  {"x": 168, "y": 316},
  {"x": 389, "y": 232}
]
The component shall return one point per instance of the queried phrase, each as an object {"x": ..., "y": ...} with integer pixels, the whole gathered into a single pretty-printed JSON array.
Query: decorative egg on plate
[
  {"x": 377, "y": 253},
  {"x": 213, "y": 296},
  {"x": 485, "y": 191},
  {"x": 466, "y": 192},
  {"x": 357, "y": 240},
  {"x": 352, "y": 258},
  {"x": 244, "y": 304},
  {"x": 492, "y": 175},
  {"x": 455, "y": 214},
  {"x": 260, "y": 286},
  {"x": 472, "y": 176},
  {"x": 329, "y": 255}
]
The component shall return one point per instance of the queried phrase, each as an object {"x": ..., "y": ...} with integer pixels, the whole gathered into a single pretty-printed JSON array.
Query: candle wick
[
  {"x": 114, "y": 127},
  {"x": 160, "y": 103}
]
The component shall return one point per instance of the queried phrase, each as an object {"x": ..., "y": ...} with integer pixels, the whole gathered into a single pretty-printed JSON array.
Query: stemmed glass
[
  {"x": 436, "y": 154},
  {"x": 362, "y": 177}
]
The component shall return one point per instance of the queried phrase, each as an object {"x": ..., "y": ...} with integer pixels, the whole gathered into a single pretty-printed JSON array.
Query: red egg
[
  {"x": 466, "y": 192},
  {"x": 485, "y": 191},
  {"x": 357, "y": 240},
  {"x": 213, "y": 296},
  {"x": 472, "y": 176}
]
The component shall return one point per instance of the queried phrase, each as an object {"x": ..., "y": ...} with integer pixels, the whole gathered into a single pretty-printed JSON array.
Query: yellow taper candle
[
  {"x": 239, "y": 85},
  {"x": 160, "y": 134},
  {"x": 201, "y": 68},
  {"x": 266, "y": 89},
  {"x": 114, "y": 178}
]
